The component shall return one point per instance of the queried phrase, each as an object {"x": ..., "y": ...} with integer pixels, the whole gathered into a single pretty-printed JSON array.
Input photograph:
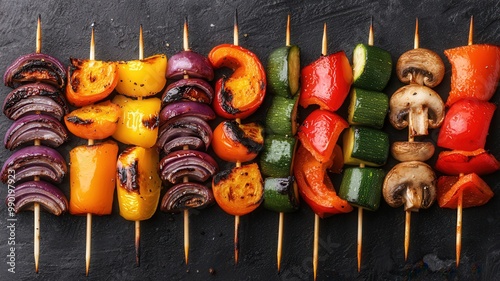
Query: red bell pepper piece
[
  {"x": 459, "y": 161},
  {"x": 466, "y": 124},
  {"x": 243, "y": 92},
  {"x": 315, "y": 187},
  {"x": 475, "y": 191},
  {"x": 326, "y": 82},
  {"x": 319, "y": 133},
  {"x": 475, "y": 72}
]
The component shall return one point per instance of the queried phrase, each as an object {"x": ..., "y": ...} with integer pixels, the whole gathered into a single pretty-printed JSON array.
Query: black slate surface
[{"x": 66, "y": 33}]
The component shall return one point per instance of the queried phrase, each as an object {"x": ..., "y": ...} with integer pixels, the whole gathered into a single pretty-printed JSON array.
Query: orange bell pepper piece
[
  {"x": 90, "y": 81},
  {"x": 475, "y": 191},
  {"x": 92, "y": 178},
  {"x": 95, "y": 121},
  {"x": 475, "y": 72}
]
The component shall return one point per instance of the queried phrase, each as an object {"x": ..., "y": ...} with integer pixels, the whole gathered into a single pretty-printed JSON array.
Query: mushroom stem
[{"x": 418, "y": 123}]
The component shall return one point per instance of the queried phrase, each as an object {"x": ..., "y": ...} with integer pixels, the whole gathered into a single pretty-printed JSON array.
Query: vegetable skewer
[{"x": 239, "y": 190}]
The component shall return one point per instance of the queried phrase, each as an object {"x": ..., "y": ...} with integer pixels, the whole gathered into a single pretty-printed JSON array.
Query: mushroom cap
[
  {"x": 405, "y": 151},
  {"x": 411, "y": 183},
  {"x": 421, "y": 66},
  {"x": 418, "y": 106}
]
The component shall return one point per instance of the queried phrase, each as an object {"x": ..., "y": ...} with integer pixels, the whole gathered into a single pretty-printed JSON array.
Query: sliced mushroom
[
  {"x": 418, "y": 107},
  {"x": 410, "y": 183},
  {"x": 421, "y": 66},
  {"x": 405, "y": 151}
]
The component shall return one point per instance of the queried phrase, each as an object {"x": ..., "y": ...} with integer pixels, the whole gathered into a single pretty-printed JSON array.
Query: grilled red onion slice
[
  {"x": 178, "y": 143},
  {"x": 48, "y": 195},
  {"x": 34, "y": 98},
  {"x": 32, "y": 161},
  {"x": 186, "y": 108},
  {"x": 35, "y": 67},
  {"x": 184, "y": 126},
  {"x": 195, "y": 165},
  {"x": 191, "y": 89},
  {"x": 190, "y": 63},
  {"x": 186, "y": 196},
  {"x": 32, "y": 127}
]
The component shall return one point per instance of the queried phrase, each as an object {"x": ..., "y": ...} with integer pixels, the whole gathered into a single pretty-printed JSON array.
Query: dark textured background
[{"x": 66, "y": 32}]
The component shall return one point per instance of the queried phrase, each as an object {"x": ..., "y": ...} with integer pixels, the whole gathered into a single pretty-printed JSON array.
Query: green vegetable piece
[
  {"x": 277, "y": 155},
  {"x": 362, "y": 187},
  {"x": 281, "y": 194},
  {"x": 363, "y": 145},
  {"x": 281, "y": 116},
  {"x": 371, "y": 66},
  {"x": 367, "y": 108},
  {"x": 283, "y": 71}
]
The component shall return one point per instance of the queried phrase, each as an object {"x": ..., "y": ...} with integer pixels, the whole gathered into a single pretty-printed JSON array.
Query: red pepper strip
[
  {"x": 326, "y": 82},
  {"x": 315, "y": 187},
  {"x": 466, "y": 124},
  {"x": 476, "y": 192},
  {"x": 319, "y": 133},
  {"x": 475, "y": 71},
  {"x": 459, "y": 161}
]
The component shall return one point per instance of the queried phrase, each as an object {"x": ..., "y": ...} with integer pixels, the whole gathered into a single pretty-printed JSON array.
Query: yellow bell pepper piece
[{"x": 142, "y": 78}]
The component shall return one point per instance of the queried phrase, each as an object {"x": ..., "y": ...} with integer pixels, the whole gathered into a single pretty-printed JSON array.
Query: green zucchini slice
[
  {"x": 371, "y": 66},
  {"x": 363, "y": 145},
  {"x": 367, "y": 108},
  {"x": 281, "y": 194},
  {"x": 362, "y": 187}
]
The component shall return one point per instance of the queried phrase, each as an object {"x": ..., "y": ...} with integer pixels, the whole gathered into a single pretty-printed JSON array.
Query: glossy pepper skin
[
  {"x": 243, "y": 92},
  {"x": 92, "y": 178},
  {"x": 475, "y": 191},
  {"x": 319, "y": 133},
  {"x": 326, "y": 82},
  {"x": 139, "y": 122},
  {"x": 95, "y": 121},
  {"x": 458, "y": 162},
  {"x": 142, "y": 78},
  {"x": 138, "y": 183},
  {"x": 465, "y": 126},
  {"x": 315, "y": 186},
  {"x": 90, "y": 81},
  {"x": 475, "y": 72},
  {"x": 235, "y": 142}
]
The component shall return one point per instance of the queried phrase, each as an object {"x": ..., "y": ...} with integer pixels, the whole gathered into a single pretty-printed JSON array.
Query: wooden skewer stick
[
  {"x": 238, "y": 164},
  {"x": 360, "y": 210},
  {"x": 458, "y": 242},
  {"x": 279, "y": 249},
  {"x": 137, "y": 222},
  {"x": 186, "y": 179},
  {"x": 36, "y": 206},
  {"x": 324, "y": 48},
  {"x": 416, "y": 45},
  {"x": 89, "y": 142}
]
